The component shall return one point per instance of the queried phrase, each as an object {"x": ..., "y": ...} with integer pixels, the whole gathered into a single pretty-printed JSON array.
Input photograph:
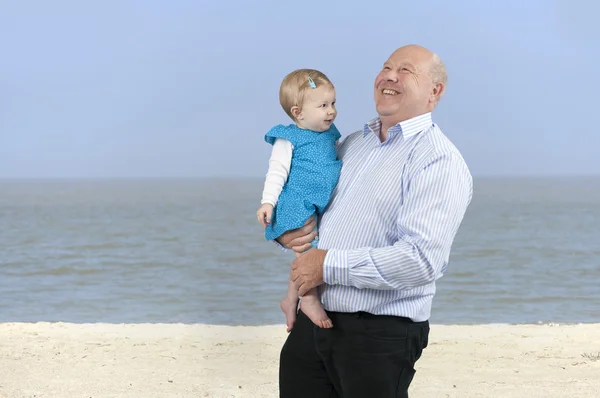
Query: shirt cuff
[
  {"x": 269, "y": 201},
  {"x": 336, "y": 270},
  {"x": 282, "y": 247}
]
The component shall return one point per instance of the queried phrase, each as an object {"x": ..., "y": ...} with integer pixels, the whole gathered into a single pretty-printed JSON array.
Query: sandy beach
[{"x": 173, "y": 360}]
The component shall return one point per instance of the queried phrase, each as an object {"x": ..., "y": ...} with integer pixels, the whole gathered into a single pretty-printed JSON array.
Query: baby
[{"x": 303, "y": 171}]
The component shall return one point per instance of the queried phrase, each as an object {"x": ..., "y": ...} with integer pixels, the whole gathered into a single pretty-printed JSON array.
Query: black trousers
[{"x": 362, "y": 356}]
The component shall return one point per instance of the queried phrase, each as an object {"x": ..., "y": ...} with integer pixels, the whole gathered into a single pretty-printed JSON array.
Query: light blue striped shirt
[{"x": 392, "y": 219}]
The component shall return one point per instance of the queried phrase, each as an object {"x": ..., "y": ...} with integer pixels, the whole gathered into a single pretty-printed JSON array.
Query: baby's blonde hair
[{"x": 295, "y": 84}]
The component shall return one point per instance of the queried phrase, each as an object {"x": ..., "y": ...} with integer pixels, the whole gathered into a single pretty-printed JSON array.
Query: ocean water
[{"x": 192, "y": 251}]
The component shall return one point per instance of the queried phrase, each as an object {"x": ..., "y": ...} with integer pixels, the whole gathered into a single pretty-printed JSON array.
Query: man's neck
[
  {"x": 389, "y": 122},
  {"x": 386, "y": 124}
]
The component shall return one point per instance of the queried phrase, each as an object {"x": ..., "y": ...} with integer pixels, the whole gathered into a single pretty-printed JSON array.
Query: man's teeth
[{"x": 389, "y": 92}]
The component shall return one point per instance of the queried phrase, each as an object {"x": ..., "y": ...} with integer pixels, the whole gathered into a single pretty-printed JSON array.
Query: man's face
[{"x": 403, "y": 88}]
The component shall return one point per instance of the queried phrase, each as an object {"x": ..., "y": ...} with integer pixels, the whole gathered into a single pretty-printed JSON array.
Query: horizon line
[{"x": 240, "y": 177}]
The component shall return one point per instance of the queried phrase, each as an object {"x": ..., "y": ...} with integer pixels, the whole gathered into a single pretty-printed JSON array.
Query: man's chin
[{"x": 384, "y": 111}]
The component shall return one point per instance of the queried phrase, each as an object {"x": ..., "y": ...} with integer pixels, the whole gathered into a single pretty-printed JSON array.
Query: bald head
[
  {"x": 411, "y": 83},
  {"x": 414, "y": 50},
  {"x": 432, "y": 62}
]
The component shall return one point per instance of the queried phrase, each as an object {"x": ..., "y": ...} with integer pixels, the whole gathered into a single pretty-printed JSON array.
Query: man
[{"x": 384, "y": 240}]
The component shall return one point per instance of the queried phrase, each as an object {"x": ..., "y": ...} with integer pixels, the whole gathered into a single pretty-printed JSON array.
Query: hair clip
[{"x": 311, "y": 82}]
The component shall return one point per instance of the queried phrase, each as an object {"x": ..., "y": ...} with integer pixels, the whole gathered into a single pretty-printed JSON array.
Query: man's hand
[
  {"x": 264, "y": 214},
  {"x": 299, "y": 239},
  {"x": 307, "y": 270}
]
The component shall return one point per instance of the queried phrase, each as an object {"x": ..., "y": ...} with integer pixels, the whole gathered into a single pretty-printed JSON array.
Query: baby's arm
[{"x": 279, "y": 169}]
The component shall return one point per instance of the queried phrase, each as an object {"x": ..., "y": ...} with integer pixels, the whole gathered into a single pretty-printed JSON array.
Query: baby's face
[{"x": 318, "y": 111}]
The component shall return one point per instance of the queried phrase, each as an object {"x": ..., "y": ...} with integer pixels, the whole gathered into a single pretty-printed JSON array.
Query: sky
[{"x": 189, "y": 88}]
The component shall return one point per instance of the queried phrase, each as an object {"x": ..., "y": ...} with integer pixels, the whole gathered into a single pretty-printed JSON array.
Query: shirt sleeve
[
  {"x": 429, "y": 219},
  {"x": 279, "y": 170}
]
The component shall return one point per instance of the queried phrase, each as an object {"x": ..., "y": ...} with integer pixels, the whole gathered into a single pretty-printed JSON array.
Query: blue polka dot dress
[{"x": 314, "y": 173}]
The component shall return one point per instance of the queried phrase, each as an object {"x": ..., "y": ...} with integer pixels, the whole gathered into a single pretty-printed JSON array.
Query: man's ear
[
  {"x": 437, "y": 92},
  {"x": 296, "y": 112}
]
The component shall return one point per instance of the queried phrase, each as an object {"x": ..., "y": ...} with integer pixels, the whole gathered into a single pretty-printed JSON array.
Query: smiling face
[
  {"x": 318, "y": 109},
  {"x": 308, "y": 97},
  {"x": 404, "y": 87}
]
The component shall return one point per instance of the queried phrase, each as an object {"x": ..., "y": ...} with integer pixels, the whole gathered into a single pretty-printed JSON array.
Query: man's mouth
[{"x": 388, "y": 91}]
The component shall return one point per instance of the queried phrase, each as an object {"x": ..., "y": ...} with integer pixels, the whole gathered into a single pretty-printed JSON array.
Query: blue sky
[{"x": 189, "y": 88}]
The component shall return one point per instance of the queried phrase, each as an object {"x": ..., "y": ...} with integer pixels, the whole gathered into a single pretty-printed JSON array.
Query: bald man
[{"x": 384, "y": 240}]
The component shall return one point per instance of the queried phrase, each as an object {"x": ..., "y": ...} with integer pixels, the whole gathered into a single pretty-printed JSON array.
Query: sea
[{"x": 192, "y": 251}]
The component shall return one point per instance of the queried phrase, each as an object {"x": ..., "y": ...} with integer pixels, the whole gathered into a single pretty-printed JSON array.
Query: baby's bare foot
[
  {"x": 311, "y": 306},
  {"x": 289, "y": 307}
]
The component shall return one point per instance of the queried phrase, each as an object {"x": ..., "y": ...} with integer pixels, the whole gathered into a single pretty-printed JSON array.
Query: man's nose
[{"x": 391, "y": 76}]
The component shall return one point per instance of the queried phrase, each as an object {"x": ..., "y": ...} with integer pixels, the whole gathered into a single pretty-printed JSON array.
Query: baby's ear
[{"x": 296, "y": 112}]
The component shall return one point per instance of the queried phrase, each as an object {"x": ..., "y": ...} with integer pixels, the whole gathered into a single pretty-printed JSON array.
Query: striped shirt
[{"x": 392, "y": 218}]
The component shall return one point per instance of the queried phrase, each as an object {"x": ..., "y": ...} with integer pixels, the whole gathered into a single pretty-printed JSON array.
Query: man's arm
[
  {"x": 298, "y": 240},
  {"x": 430, "y": 216}
]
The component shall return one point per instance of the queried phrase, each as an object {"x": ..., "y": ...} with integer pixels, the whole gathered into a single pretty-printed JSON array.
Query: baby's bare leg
[
  {"x": 311, "y": 306},
  {"x": 289, "y": 305}
]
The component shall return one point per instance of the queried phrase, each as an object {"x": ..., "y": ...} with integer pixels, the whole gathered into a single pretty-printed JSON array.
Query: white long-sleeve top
[{"x": 279, "y": 170}]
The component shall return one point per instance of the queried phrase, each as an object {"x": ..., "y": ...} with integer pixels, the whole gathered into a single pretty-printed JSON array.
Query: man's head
[
  {"x": 411, "y": 83},
  {"x": 308, "y": 97}
]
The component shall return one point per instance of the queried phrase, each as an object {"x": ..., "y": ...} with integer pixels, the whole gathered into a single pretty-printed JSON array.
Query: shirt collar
[{"x": 407, "y": 128}]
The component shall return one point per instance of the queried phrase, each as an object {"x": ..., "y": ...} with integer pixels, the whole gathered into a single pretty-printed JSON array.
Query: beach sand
[{"x": 164, "y": 360}]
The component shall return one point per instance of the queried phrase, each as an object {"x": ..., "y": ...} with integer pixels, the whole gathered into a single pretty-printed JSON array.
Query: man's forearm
[
  {"x": 401, "y": 266},
  {"x": 431, "y": 215}
]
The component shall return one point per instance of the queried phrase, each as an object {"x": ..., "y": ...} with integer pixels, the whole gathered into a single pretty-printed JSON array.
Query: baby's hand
[{"x": 264, "y": 214}]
